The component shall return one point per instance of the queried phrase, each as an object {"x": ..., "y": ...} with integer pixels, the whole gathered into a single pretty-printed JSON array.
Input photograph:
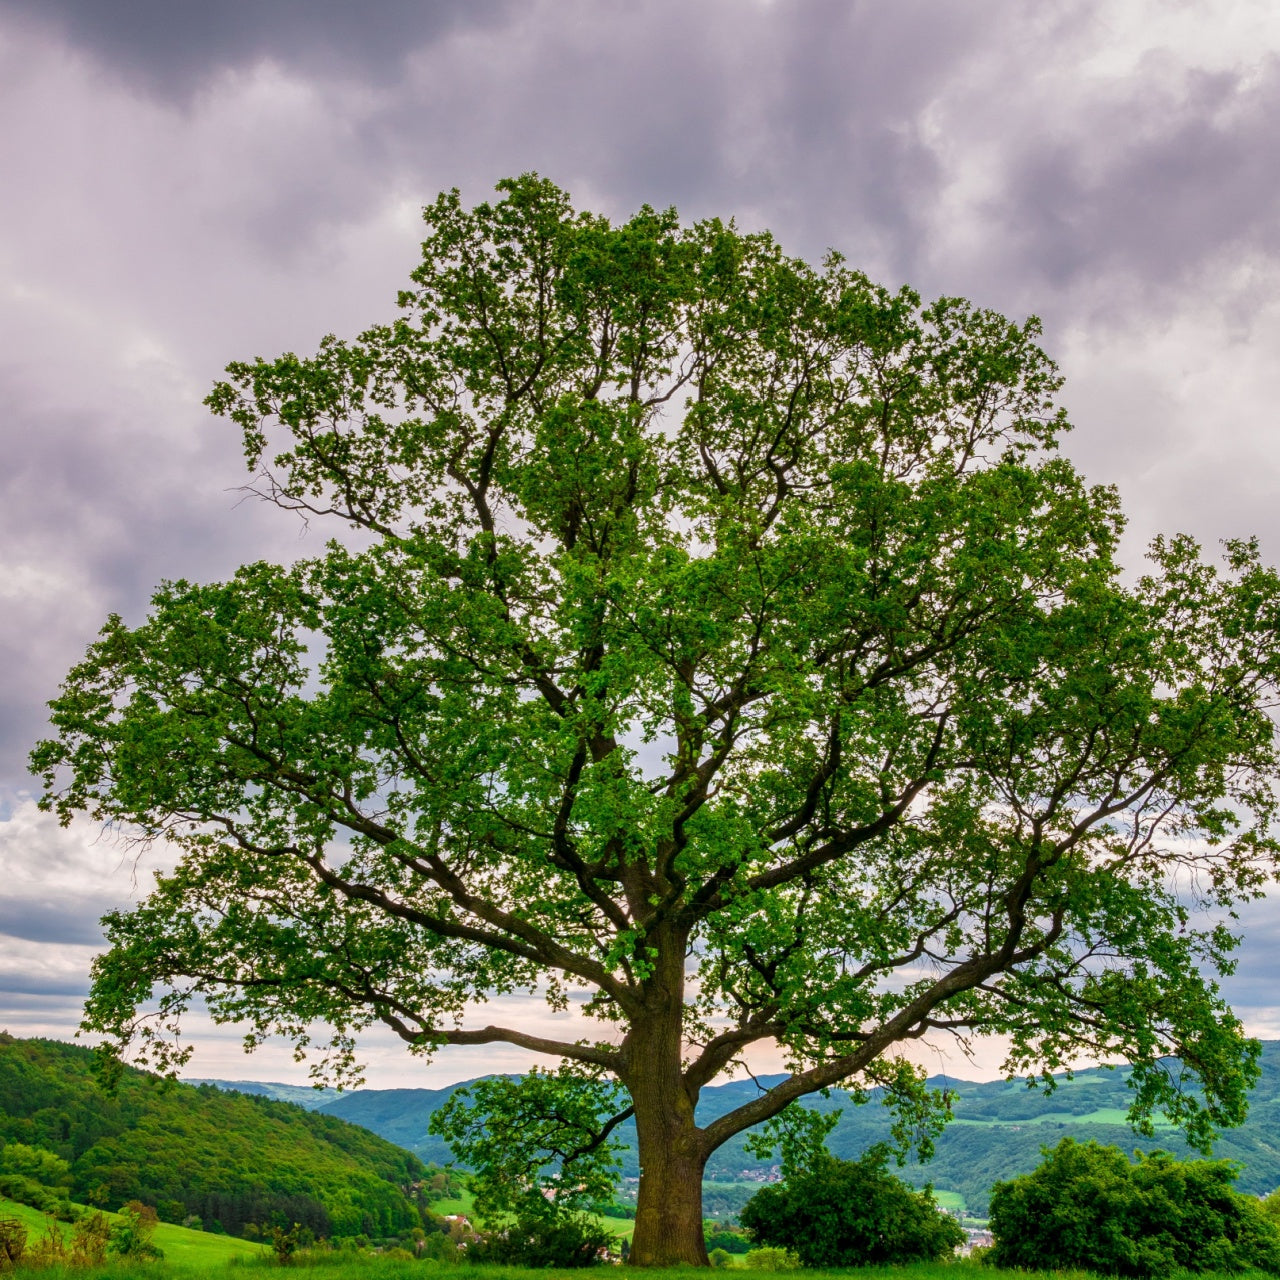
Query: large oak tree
[{"x": 716, "y": 643}]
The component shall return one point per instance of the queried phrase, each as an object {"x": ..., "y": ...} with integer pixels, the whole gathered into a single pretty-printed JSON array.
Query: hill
[
  {"x": 301, "y": 1095},
  {"x": 997, "y": 1132},
  {"x": 186, "y": 1248},
  {"x": 229, "y": 1159}
]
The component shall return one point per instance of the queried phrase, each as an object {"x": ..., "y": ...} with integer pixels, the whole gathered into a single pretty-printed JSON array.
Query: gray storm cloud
[
  {"x": 190, "y": 184},
  {"x": 170, "y": 49}
]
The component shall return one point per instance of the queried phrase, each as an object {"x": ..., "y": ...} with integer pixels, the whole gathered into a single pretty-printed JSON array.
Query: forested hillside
[
  {"x": 997, "y": 1132},
  {"x": 231, "y": 1160}
]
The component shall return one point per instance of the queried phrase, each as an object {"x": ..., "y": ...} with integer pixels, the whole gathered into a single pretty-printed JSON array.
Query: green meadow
[{"x": 184, "y": 1250}]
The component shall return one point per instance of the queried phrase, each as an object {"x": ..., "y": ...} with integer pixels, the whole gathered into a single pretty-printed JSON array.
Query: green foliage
[
  {"x": 32, "y": 1162},
  {"x": 284, "y": 1244},
  {"x": 769, "y": 1258},
  {"x": 90, "y": 1239},
  {"x": 131, "y": 1234},
  {"x": 222, "y": 1157},
  {"x": 1271, "y": 1205},
  {"x": 542, "y": 1134},
  {"x": 847, "y": 1213},
  {"x": 543, "y": 1239},
  {"x": 807, "y": 539},
  {"x": 799, "y": 1133},
  {"x": 719, "y": 1259},
  {"x": 727, "y": 1241},
  {"x": 1088, "y": 1207},
  {"x": 441, "y": 1184}
]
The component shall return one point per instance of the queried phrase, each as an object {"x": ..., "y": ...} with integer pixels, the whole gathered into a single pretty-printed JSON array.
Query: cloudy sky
[{"x": 185, "y": 184}]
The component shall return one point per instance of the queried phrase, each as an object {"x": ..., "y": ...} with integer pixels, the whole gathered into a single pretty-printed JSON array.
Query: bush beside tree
[
  {"x": 1088, "y": 1207},
  {"x": 544, "y": 1239},
  {"x": 850, "y": 1213}
]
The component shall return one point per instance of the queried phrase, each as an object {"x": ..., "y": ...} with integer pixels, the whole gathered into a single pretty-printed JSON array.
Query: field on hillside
[{"x": 183, "y": 1249}]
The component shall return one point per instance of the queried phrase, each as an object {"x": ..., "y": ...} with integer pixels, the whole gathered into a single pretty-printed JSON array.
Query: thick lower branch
[{"x": 594, "y": 1054}]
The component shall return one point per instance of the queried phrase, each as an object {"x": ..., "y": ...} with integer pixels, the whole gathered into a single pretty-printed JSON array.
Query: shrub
[
  {"x": 544, "y": 1240},
  {"x": 439, "y": 1248},
  {"x": 13, "y": 1243},
  {"x": 28, "y": 1191},
  {"x": 850, "y": 1213},
  {"x": 1088, "y": 1207},
  {"x": 768, "y": 1258},
  {"x": 286, "y": 1243},
  {"x": 720, "y": 1258},
  {"x": 90, "y": 1239},
  {"x": 131, "y": 1233}
]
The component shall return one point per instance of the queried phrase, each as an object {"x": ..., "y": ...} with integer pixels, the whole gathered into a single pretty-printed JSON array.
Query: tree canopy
[{"x": 716, "y": 644}]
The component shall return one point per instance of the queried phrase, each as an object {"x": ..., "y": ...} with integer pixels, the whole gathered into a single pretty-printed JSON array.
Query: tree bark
[
  {"x": 669, "y": 1205},
  {"x": 671, "y": 1147}
]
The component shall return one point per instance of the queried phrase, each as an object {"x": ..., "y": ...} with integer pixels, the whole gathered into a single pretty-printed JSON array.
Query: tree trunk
[{"x": 669, "y": 1205}]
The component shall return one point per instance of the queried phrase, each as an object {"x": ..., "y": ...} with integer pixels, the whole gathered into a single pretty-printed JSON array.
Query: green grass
[
  {"x": 201, "y": 1248},
  {"x": 348, "y": 1266},
  {"x": 463, "y": 1203},
  {"x": 32, "y": 1219},
  {"x": 1100, "y": 1115},
  {"x": 184, "y": 1249}
]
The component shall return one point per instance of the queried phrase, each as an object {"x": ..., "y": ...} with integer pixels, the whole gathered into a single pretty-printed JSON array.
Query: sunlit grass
[{"x": 184, "y": 1250}]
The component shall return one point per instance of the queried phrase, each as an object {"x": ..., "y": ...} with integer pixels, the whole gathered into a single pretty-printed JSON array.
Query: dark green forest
[{"x": 233, "y": 1161}]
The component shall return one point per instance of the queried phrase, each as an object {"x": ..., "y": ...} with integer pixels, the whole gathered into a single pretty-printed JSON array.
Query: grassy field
[
  {"x": 250, "y": 1261},
  {"x": 185, "y": 1250},
  {"x": 1100, "y": 1115},
  {"x": 369, "y": 1267}
]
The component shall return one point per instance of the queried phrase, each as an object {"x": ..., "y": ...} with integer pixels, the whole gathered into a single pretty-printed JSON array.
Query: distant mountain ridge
[
  {"x": 998, "y": 1129},
  {"x": 301, "y": 1095}
]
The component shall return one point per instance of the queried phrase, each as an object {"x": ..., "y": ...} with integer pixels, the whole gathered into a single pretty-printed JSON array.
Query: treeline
[{"x": 230, "y": 1161}]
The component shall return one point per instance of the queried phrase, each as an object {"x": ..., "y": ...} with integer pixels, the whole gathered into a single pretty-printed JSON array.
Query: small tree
[
  {"x": 1087, "y": 1207},
  {"x": 284, "y": 1244},
  {"x": 718, "y": 637},
  {"x": 90, "y": 1239},
  {"x": 851, "y": 1213},
  {"x": 131, "y": 1233}
]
